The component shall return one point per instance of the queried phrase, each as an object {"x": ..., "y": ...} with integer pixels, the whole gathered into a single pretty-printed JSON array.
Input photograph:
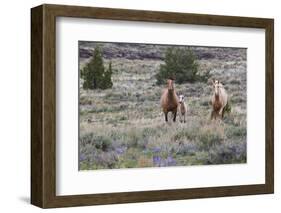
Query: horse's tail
[{"x": 227, "y": 107}]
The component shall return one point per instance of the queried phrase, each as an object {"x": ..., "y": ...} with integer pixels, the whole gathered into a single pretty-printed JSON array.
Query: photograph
[{"x": 161, "y": 105}]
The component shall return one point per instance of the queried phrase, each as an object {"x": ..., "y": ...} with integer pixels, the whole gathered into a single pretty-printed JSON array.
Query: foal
[{"x": 182, "y": 109}]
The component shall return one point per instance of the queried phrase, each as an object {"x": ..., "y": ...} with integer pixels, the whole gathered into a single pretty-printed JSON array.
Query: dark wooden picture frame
[{"x": 43, "y": 105}]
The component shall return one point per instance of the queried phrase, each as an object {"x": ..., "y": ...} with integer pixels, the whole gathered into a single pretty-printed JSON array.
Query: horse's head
[
  {"x": 170, "y": 84},
  {"x": 181, "y": 99},
  {"x": 216, "y": 85}
]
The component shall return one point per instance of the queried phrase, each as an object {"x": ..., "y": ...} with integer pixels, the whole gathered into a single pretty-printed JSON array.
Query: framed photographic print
[{"x": 136, "y": 106}]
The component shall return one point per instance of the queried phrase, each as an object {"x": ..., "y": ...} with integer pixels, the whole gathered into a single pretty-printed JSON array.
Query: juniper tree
[
  {"x": 107, "y": 82},
  {"x": 94, "y": 74},
  {"x": 181, "y": 64}
]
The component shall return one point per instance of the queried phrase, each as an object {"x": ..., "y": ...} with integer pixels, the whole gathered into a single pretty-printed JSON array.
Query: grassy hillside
[{"x": 124, "y": 127}]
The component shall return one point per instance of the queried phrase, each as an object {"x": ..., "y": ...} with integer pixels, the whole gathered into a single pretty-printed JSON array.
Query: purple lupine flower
[
  {"x": 156, "y": 149},
  {"x": 171, "y": 161},
  {"x": 157, "y": 160},
  {"x": 82, "y": 157},
  {"x": 120, "y": 150}
]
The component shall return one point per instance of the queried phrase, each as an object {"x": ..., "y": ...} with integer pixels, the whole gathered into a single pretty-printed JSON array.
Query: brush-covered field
[{"x": 124, "y": 127}]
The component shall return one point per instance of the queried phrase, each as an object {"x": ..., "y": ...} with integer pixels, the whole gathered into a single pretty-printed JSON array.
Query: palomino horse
[
  {"x": 169, "y": 100},
  {"x": 219, "y": 100}
]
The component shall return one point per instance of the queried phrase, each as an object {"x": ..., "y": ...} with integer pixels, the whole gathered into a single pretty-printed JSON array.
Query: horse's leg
[
  {"x": 166, "y": 116},
  {"x": 212, "y": 115},
  {"x": 184, "y": 117},
  {"x": 175, "y": 115},
  {"x": 221, "y": 112},
  {"x": 180, "y": 116}
]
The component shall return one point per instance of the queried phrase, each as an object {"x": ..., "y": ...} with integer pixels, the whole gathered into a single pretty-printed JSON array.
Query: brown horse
[
  {"x": 219, "y": 100},
  {"x": 169, "y": 100}
]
